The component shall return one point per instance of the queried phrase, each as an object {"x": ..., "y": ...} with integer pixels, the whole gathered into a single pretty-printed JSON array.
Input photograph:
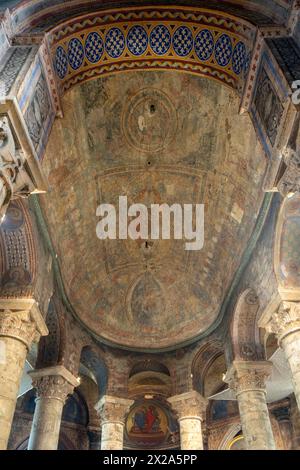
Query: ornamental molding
[
  {"x": 199, "y": 41},
  {"x": 285, "y": 320},
  {"x": 18, "y": 325},
  {"x": 20, "y": 170},
  {"x": 290, "y": 180},
  {"x": 53, "y": 382},
  {"x": 14, "y": 180},
  {"x": 189, "y": 405},
  {"x": 22, "y": 321},
  {"x": 247, "y": 376},
  {"x": 52, "y": 386},
  {"x": 113, "y": 409}
]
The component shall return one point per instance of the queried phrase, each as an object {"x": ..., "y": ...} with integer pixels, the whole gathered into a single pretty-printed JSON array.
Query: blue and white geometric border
[{"x": 220, "y": 53}]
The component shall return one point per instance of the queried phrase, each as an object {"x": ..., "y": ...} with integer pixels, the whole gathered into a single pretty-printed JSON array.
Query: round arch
[
  {"x": 51, "y": 348},
  {"x": 202, "y": 361},
  {"x": 229, "y": 437},
  {"x": 209, "y": 43},
  {"x": 244, "y": 331},
  {"x": 18, "y": 251},
  {"x": 286, "y": 252},
  {"x": 95, "y": 364}
]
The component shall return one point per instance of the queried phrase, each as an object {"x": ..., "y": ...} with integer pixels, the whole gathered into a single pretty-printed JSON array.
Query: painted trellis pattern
[{"x": 197, "y": 41}]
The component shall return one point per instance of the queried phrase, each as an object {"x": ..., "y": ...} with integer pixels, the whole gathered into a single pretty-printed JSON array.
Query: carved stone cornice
[
  {"x": 248, "y": 376},
  {"x": 14, "y": 180},
  {"x": 290, "y": 180},
  {"x": 25, "y": 325},
  {"x": 54, "y": 382},
  {"x": 20, "y": 169},
  {"x": 189, "y": 405},
  {"x": 113, "y": 409},
  {"x": 285, "y": 320}
]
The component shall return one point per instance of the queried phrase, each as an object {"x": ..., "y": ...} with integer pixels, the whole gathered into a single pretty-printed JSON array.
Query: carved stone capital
[
  {"x": 189, "y": 405},
  {"x": 285, "y": 320},
  {"x": 113, "y": 409},
  {"x": 53, "y": 382},
  {"x": 290, "y": 180},
  {"x": 248, "y": 376},
  {"x": 25, "y": 324}
]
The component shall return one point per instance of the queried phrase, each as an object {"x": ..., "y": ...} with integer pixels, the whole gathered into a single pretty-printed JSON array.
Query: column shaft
[
  {"x": 255, "y": 420},
  {"x": 112, "y": 436},
  {"x": 191, "y": 434},
  {"x": 295, "y": 419},
  {"x": 46, "y": 424},
  {"x": 190, "y": 408},
  {"x": 247, "y": 379},
  {"x": 291, "y": 347},
  {"x": 18, "y": 329},
  {"x": 10, "y": 376},
  {"x": 112, "y": 411},
  {"x": 53, "y": 385}
]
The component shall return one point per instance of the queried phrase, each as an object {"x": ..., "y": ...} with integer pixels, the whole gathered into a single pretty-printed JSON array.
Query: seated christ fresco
[{"x": 146, "y": 420}]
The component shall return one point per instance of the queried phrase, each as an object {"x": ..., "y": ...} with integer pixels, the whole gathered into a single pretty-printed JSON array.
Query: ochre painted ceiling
[{"x": 195, "y": 148}]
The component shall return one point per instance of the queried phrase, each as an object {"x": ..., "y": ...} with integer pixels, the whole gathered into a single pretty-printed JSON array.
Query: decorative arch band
[{"x": 202, "y": 42}]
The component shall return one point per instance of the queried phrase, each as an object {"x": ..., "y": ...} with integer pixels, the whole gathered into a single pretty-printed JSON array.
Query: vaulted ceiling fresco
[{"x": 156, "y": 137}]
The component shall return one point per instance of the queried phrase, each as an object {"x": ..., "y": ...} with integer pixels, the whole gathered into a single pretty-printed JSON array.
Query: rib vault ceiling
[{"x": 194, "y": 147}]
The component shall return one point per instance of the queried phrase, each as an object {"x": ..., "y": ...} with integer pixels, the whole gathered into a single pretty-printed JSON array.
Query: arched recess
[
  {"x": 90, "y": 391},
  {"x": 271, "y": 345},
  {"x": 149, "y": 365},
  {"x": 287, "y": 248},
  {"x": 20, "y": 247},
  {"x": 229, "y": 437},
  {"x": 18, "y": 252},
  {"x": 244, "y": 331},
  {"x": 202, "y": 362},
  {"x": 93, "y": 365},
  {"x": 51, "y": 348},
  {"x": 286, "y": 258},
  {"x": 149, "y": 378}
]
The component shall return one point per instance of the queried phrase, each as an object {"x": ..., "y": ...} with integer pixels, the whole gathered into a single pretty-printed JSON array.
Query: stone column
[
  {"x": 283, "y": 418},
  {"x": 112, "y": 411},
  {"x": 285, "y": 324},
  {"x": 53, "y": 385},
  {"x": 247, "y": 379},
  {"x": 190, "y": 408},
  {"x": 19, "y": 328},
  {"x": 295, "y": 420}
]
